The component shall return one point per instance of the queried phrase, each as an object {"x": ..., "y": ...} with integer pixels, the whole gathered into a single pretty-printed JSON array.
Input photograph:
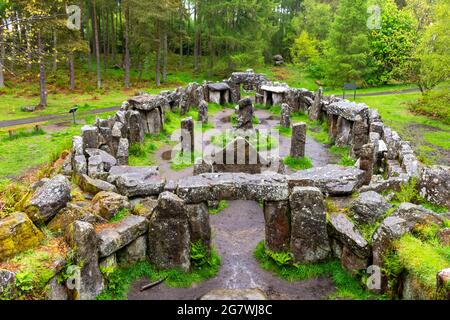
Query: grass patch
[
  {"x": 422, "y": 260},
  {"x": 298, "y": 163},
  {"x": 346, "y": 286},
  {"x": 223, "y": 204},
  {"x": 119, "y": 280},
  {"x": 120, "y": 216},
  {"x": 260, "y": 141},
  {"x": 143, "y": 154},
  {"x": 34, "y": 268},
  {"x": 185, "y": 160},
  {"x": 344, "y": 153},
  {"x": 435, "y": 104}
]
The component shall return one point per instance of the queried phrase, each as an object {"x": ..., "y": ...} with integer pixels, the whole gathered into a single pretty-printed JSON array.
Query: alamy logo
[{"x": 74, "y": 19}]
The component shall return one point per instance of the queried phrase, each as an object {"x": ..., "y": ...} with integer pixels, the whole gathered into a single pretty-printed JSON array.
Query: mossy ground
[
  {"x": 223, "y": 204},
  {"x": 120, "y": 280},
  {"x": 298, "y": 163},
  {"x": 347, "y": 287}
]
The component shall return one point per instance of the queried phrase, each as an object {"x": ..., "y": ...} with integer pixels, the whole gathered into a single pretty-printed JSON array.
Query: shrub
[{"x": 298, "y": 163}]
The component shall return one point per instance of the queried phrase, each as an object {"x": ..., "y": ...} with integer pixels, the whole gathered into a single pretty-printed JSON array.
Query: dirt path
[{"x": 236, "y": 232}]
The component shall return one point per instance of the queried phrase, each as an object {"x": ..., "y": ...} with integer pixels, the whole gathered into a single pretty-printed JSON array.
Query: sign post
[
  {"x": 73, "y": 111},
  {"x": 350, "y": 86}
]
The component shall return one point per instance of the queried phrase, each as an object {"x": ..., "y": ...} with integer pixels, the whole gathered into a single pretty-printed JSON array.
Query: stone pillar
[
  {"x": 278, "y": 230},
  {"x": 123, "y": 152},
  {"x": 316, "y": 108},
  {"x": 169, "y": 241},
  {"x": 309, "y": 237},
  {"x": 244, "y": 114},
  {"x": 199, "y": 226},
  {"x": 332, "y": 127},
  {"x": 203, "y": 112},
  {"x": 285, "y": 120},
  {"x": 343, "y": 131},
  {"x": 366, "y": 162},
  {"x": 134, "y": 126},
  {"x": 82, "y": 237},
  {"x": 298, "y": 140},
  {"x": 187, "y": 136},
  {"x": 360, "y": 135},
  {"x": 90, "y": 137}
]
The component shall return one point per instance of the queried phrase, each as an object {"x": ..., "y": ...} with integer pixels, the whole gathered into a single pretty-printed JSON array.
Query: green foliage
[
  {"x": 346, "y": 286},
  {"x": 408, "y": 192},
  {"x": 13, "y": 197},
  {"x": 282, "y": 259},
  {"x": 120, "y": 215},
  {"x": 344, "y": 153},
  {"x": 223, "y": 204},
  {"x": 304, "y": 51},
  {"x": 185, "y": 160},
  {"x": 120, "y": 280},
  {"x": 423, "y": 260},
  {"x": 391, "y": 45},
  {"x": 346, "y": 54},
  {"x": 434, "y": 104},
  {"x": 24, "y": 282},
  {"x": 298, "y": 163},
  {"x": 200, "y": 255}
]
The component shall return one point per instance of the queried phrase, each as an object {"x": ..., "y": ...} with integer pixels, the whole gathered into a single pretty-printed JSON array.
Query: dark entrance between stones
[
  {"x": 269, "y": 100},
  {"x": 223, "y": 97}
]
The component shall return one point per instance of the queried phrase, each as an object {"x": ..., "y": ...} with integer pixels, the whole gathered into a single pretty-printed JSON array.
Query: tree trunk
[
  {"x": 158, "y": 59},
  {"x": 55, "y": 55},
  {"x": 2, "y": 59},
  {"x": 28, "y": 39},
  {"x": 105, "y": 39},
  {"x": 72, "y": 72},
  {"x": 126, "y": 41},
  {"x": 43, "y": 89},
  {"x": 165, "y": 58},
  {"x": 181, "y": 33},
  {"x": 197, "y": 37},
  {"x": 97, "y": 44}
]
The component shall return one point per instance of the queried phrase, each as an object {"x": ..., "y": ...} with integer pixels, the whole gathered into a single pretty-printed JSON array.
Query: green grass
[
  {"x": 120, "y": 216},
  {"x": 428, "y": 135},
  {"x": 143, "y": 154},
  {"x": 183, "y": 161},
  {"x": 120, "y": 280},
  {"x": 344, "y": 153},
  {"x": 259, "y": 140},
  {"x": 298, "y": 163},
  {"x": 30, "y": 150},
  {"x": 423, "y": 260},
  {"x": 223, "y": 204},
  {"x": 347, "y": 287}
]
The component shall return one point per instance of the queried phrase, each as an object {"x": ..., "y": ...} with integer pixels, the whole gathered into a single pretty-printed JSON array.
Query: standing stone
[
  {"x": 169, "y": 241},
  {"x": 360, "y": 135},
  {"x": 316, "y": 108},
  {"x": 187, "y": 136},
  {"x": 123, "y": 152},
  {"x": 332, "y": 127},
  {"x": 369, "y": 207},
  {"x": 343, "y": 130},
  {"x": 81, "y": 237},
  {"x": 298, "y": 140},
  {"x": 366, "y": 162},
  {"x": 278, "y": 229},
  {"x": 134, "y": 252},
  {"x": 244, "y": 112},
  {"x": 285, "y": 120},
  {"x": 134, "y": 126},
  {"x": 199, "y": 225},
  {"x": 7, "y": 283},
  {"x": 203, "y": 112},
  {"x": 434, "y": 185},
  {"x": 309, "y": 237},
  {"x": 90, "y": 137},
  {"x": 95, "y": 167},
  {"x": 49, "y": 199}
]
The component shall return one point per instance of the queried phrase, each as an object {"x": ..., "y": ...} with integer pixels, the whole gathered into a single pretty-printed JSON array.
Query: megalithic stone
[
  {"x": 187, "y": 136},
  {"x": 285, "y": 120},
  {"x": 367, "y": 161},
  {"x": 298, "y": 140},
  {"x": 316, "y": 108}
]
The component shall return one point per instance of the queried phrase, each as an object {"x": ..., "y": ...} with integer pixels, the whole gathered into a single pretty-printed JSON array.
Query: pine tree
[{"x": 347, "y": 49}]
